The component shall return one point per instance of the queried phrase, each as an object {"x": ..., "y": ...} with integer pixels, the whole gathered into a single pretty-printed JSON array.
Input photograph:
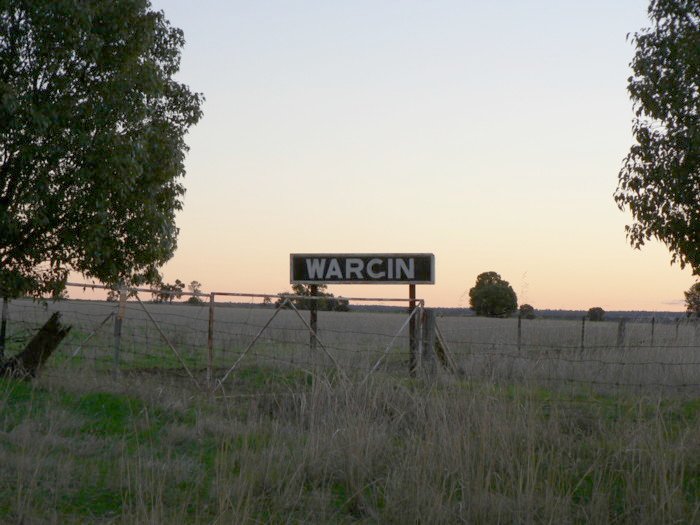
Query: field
[
  {"x": 541, "y": 431},
  {"x": 550, "y": 352}
]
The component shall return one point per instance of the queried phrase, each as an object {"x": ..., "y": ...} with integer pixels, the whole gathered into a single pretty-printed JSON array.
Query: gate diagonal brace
[
  {"x": 167, "y": 341},
  {"x": 91, "y": 335},
  {"x": 220, "y": 382},
  {"x": 391, "y": 343},
  {"x": 313, "y": 333}
]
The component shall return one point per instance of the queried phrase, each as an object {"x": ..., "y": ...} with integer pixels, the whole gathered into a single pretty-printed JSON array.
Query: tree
[
  {"x": 328, "y": 301},
  {"x": 167, "y": 292},
  {"x": 492, "y": 296},
  {"x": 692, "y": 300},
  {"x": 196, "y": 288},
  {"x": 527, "y": 311},
  {"x": 92, "y": 130},
  {"x": 660, "y": 179},
  {"x": 596, "y": 313},
  {"x": 113, "y": 295}
]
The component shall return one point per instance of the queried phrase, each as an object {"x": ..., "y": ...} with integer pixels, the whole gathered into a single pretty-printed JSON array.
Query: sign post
[
  {"x": 412, "y": 361},
  {"x": 364, "y": 268},
  {"x": 313, "y": 317}
]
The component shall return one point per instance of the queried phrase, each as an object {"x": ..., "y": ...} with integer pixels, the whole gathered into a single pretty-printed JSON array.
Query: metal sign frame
[{"x": 368, "y": 268}]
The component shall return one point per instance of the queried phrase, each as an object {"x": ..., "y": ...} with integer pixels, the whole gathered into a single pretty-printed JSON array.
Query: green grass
[{"x": 282, "y": 447}]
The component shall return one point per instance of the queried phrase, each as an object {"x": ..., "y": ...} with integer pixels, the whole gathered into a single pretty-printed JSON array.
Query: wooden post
[
  {"x": 3, "y": 327},
  {"x": 26, "y": 364},
  {"x": 678, "y": 322},
  {"x": 412, "y": 331},
  {"x": 428, "y": 336},
  {"x": 583, "y": 333},
  {"x": 210, "y": 340},
  {"x": 118, "y": 329},
  {"x": 313, "y": 317},
  {"x": 442, "y": 351},
  {"x": 621, "y": 329},
  {"x": 653, "y": 322},
  {"x": 520, "y": 332}
]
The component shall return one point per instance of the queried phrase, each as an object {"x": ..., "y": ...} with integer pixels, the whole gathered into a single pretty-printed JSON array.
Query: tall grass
[{"x": 286, "y": 448}]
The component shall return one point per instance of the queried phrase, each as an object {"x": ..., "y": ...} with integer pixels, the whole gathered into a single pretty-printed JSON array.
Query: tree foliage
[
  {"x": 196, "y": 288},
  {"x": 660, "y": 179},
  {"x": 328, "y": 301},
  {"x": 492, "y": 296},
  {"x": 596, "y": 313},
  {"x": 92, "y": 129},
  {"x": 167, "y": 292},
  {"x": 527, "y": 311},
  {"x": 692, "y": 300}
]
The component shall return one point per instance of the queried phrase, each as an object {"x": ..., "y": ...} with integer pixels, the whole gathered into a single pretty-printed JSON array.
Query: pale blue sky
[{"x": 488, "y": 133}]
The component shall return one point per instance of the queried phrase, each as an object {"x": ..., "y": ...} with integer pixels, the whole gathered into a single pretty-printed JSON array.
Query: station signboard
[{"x": 362, "y": 268}]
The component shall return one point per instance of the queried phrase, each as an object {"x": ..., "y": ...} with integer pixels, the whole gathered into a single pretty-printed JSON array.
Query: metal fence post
[
  {"x": 653, "y": 323},
  {"x": 583, "y": 333}
]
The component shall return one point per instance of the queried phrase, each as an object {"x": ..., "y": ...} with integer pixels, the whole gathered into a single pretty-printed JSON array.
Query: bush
[
  {"x": 492, "y": 296},
  {"x": 596, "y": 313},
  {"x": 527, "y": 311},
  {"x": 692, "y": 300}
]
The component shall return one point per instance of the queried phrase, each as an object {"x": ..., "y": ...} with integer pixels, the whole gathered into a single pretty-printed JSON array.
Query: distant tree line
[
  {"x": 327, "y": 303},
  {"x": 492, "y": 296},
  {"x": 166, "y": 292}
]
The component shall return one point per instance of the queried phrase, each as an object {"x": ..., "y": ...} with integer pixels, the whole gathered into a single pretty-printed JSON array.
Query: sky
[{"x": 488, "y": 133}]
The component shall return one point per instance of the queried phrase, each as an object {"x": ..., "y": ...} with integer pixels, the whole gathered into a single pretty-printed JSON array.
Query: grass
[
  {"x": 284, "y": 446},
  {"x": 549, "y": 351},
  {"x": 521, "y": 436}
]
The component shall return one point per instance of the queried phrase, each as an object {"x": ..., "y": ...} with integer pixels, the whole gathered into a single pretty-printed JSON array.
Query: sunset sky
[{"x": 487, "y": 133}]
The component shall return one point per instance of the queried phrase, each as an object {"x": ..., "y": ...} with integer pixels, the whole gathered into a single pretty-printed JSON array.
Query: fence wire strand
[{"x": 628, "y": 353}]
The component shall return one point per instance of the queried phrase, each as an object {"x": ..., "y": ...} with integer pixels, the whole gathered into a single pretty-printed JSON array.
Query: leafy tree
[
  {"x": 113, "y": 295},
  {"x": 692, "y": 300},
  {"x": 168, "y": 292},
  {"x": 492, "y": 296},
  {"x": 660, "y": 179},
  {"x": 194, "y": 287},
  {"x": 527, "y": 311},
  {"x": 339, "y": 304},
  {"x": 596, "y": 313},
  {"x": 92, "y": 130}
]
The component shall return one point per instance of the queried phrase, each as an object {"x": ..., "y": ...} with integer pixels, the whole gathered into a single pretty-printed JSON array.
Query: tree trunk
[{"x": 38, "y": 350}]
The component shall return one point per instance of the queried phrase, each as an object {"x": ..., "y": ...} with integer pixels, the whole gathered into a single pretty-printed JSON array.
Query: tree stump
[{"x": 26, "y": 364}]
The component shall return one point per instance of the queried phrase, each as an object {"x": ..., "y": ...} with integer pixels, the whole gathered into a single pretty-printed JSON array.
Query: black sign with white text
[{"x": 362, "y": 268}]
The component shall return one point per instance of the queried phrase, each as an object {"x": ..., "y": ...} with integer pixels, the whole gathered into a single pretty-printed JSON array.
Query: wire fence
[{"x": 214, "y": 339}]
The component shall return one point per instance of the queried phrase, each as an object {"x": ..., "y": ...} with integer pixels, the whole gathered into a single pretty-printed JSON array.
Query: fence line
[{"x": 211, "y": 340}]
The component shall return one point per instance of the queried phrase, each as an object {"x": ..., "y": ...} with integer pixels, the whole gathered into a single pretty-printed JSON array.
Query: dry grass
[
  {"x": 282, "y": 448},
  {"x": 545, "y": 432}
]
